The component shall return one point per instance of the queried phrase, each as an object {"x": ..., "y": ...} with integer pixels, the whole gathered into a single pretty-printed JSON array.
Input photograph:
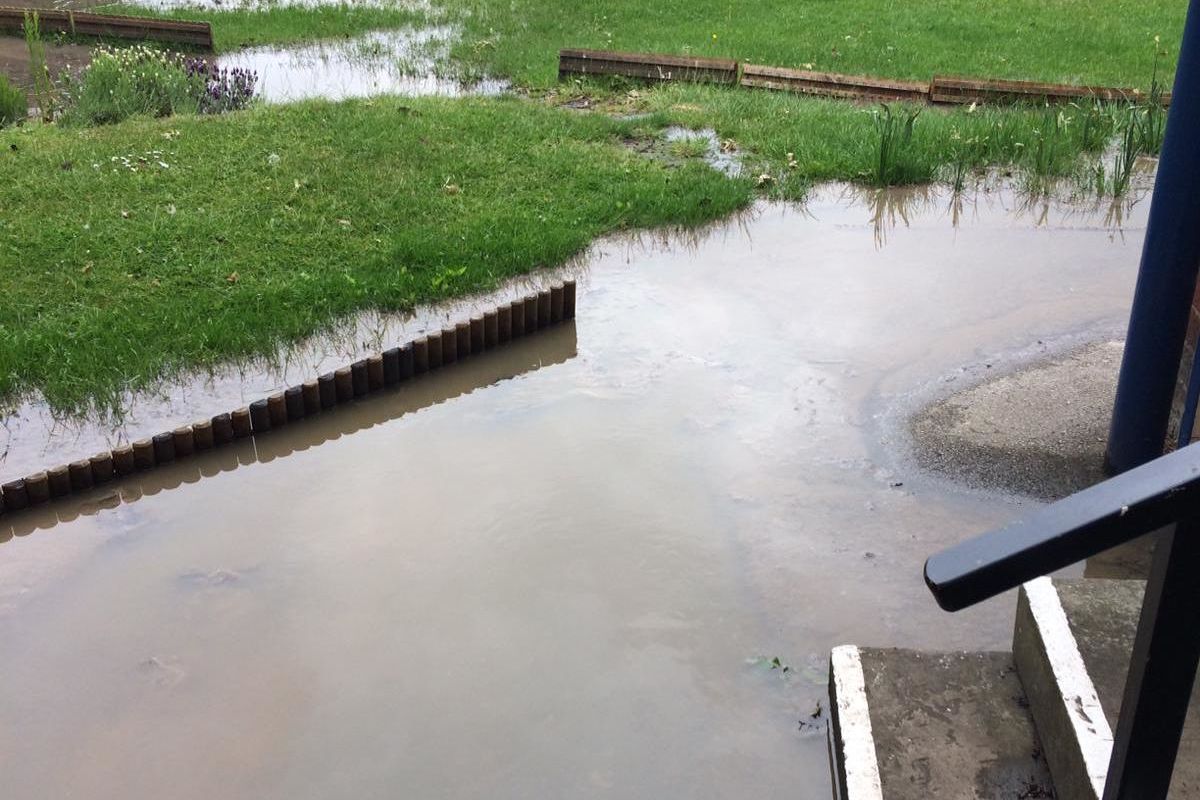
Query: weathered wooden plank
[
  {"x": 943, "y": 89},
  {"x": 197, "y": 34},
  {"x": 948, "y": 89},
  {"x": 832, "y": 84},
  {"x": 647, "y": 66}
]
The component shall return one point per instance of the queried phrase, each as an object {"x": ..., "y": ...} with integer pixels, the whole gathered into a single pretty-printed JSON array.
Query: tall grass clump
[
  {"x": 1049, "y": 152},
  {"x": 142, "y": 81},
  {"x": 1138, "y": 135},
  {"x": 966, "y": 154},
  {"x": 1096, "y": 125},
  {"x": 1140, "y": 128},
  {"x": 895, "y": 162},
  {"x": 1129, "y": 147},
  {"x": 1150, "y": 116},
  {"x": 13, "y": 106},
  {"x": 1152, "y": 123}
]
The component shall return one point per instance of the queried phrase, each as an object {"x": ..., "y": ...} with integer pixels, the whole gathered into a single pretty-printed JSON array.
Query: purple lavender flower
[{"x": 224, "y": 89}]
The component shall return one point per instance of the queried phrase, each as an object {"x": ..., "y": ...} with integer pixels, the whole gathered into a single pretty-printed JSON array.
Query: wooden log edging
[
  {"x": 79, "y": 23},
  {"x": 964, "y": 91},
  {"x": 832, "y": 84},
  {"x": 312, "y": 397},
  {"x": 941, "y": 89},
  {"x": 647, "y": 66},
  {"x": 556, "y": 345}
]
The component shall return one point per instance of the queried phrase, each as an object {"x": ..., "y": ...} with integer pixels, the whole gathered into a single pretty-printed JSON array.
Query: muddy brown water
[
  {"x": 60, "y": 58},
  {"x": 559, "y": 570}
]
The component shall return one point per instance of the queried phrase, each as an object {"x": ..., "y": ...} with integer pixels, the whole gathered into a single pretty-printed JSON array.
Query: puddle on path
[
  {"x": 558, "y": 585},
  {"x": 400, "y": 62}
]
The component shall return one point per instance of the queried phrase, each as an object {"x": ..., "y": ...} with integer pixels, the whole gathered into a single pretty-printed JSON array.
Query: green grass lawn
[
  {"x": 267, "y": 224},
  {"x": 1083, "y": 41},
  {"x": 111, "y": 280},
  {"x": 1073, "y": 41}
]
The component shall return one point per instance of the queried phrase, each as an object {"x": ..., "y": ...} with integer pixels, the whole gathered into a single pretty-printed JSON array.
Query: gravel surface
[{"x": 1038, "y": 431}]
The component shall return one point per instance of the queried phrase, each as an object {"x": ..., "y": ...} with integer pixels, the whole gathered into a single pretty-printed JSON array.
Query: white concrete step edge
[
  {"x": 857, "y": 776},
  {"x": 1070, "y": 722}
]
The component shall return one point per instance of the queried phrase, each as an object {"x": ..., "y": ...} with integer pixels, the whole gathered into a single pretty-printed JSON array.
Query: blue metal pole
[
  {"x": 1188, "y": 421},
  {"x": 1167, "y": 276}
]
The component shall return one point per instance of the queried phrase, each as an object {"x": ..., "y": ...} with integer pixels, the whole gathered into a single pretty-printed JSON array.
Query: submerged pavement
[
  {"x": 1039, "y": 429},
  {"x": 566, "y": 569}
]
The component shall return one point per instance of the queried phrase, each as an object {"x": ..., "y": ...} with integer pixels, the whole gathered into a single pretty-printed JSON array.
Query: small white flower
[{"x": 273, "y": 159}]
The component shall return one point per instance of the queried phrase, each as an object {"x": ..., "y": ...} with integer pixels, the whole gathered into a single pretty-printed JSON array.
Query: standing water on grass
[
  {"x": 575, "y": 567},
  {"x": 266, "y": 5},
  {"x": 400, "y": 62}
]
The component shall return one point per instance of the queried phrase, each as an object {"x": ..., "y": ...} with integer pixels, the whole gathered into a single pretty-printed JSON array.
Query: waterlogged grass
[
  {"x": 1074, "y": 41},
  {"x": 235, "y": 28},
  {"x": 797, "y": 141},
  {"x": 131, "y": 251},
  {"x": 794, "y": 141},
  {"x": 268, "y": 224}
]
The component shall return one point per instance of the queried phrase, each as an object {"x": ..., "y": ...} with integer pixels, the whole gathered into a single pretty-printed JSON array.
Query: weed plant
[
  {"x": 13, "y": 105},
  {"x": 43, "y": 88},
  {"x": 1129, "y": 147},
  {"x": 895, "y": 164}
]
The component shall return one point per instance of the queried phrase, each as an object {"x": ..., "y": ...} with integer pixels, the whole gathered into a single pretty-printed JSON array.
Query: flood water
[
  {"x": 407, "y": 62},
  {"x": 561, "y": 569},
  {"x": 265, "y": 5},
  {"x": 402, "y": 62},
  {"x": 725, "y": 161}
]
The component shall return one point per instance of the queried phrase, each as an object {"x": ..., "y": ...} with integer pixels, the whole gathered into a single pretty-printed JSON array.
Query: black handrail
[
  {"x": 1164, "y": 496},
  {"x": 1073, "y": 529}
]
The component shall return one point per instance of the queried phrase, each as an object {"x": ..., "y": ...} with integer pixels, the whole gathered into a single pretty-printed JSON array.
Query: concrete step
[
  {"x": 911, "y": 725},
  {"x": 1071, "y": 645}
]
